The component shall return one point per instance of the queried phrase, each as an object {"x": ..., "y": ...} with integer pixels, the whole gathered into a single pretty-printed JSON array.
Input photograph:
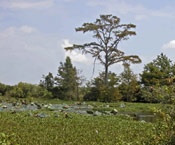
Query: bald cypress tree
[{"x": 108, "y": 33}]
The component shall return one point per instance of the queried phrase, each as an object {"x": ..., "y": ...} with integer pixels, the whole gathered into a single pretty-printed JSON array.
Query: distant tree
[
  {"x": 113, "y": 80},
  {"x": 47, "y": 82},
  {"x": 173, "y": 69},
  {"x": 158, "y": 72},
  {"x": 109, "y": 33},
  {"x": 80, "y": 80},
  {"x": 100, "y": 92},
  {"x": 4, "y": 88},
  {"x": 67, "y": 80},
  {"x": 25, "y": 90},
  {"x": 129, "y": 87}
]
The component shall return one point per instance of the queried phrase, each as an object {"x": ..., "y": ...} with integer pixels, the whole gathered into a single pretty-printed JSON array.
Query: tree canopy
[
  {"x": 129, "y": 86},
  {"x": 67, "y": 79},
  {"x": 158, "y": 72},
  {"x": 48, "y": 81}
]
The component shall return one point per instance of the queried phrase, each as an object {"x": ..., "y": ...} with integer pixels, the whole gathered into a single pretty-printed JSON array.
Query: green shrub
[
  {"x": 40, "y": 92},
  {"x": 165, "y": 127},
  {"x": 103, "y": 94},
  {"x": 16, "y": 92},
  {"x": 92, "y": 95},
  {"x": 4, "y": 88},
  {"x": 24, "y": 90},
  {"x": 109, "y": 94},
  {"x": 99, "y": 91},
  {"x": 158, "y": 94},
  {"x": 64, "y": 93},
  {"x": 6, "y": 139}
]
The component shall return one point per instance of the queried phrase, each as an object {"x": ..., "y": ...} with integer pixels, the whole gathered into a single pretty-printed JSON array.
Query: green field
[{"x": 26, "y": 128}]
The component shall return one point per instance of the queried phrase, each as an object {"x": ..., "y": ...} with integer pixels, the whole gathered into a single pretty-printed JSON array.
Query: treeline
[
  {"x": 155, "y": 84},
  {"x": 23, "y": 90}
]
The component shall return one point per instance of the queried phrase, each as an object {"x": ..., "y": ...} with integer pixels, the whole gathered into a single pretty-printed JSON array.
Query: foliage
[
  {"x": 83, "y": 129},
  {"x": 108, "y": 32},
  {"x": 100, "y": 92},
  {"x": 80, "y": 129},
  {"x": 16, "y": 92},
  {"x": 158, "y": 72},
  {"x": 4, "y": 88},
  {"x": 92, "y": 95},
  {"x": 129, "y": 87},
  {"x": 47, "y": 82},
  {"x": 109, "y": 94},
  {"x": 157, "y": 94},
  {"x": 7, "y": 139},
  {"x": 67, "y": 80},
  {"x": 24, "y": 90},
  {"x": 165, "y": 128}
]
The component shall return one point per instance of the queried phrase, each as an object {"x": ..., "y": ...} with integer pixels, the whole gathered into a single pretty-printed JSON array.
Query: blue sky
[{"x": 34, "y": 32}]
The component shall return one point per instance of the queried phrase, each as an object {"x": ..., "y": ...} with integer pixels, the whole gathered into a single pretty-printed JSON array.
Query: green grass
[
  {"x": 76, "y": 129},
  {"x": 79, "y": 129},
  {"x": 129, "y": 107}
]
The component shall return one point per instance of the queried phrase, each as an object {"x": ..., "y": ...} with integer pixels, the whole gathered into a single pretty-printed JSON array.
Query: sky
[{"x": 33, "y": 34}]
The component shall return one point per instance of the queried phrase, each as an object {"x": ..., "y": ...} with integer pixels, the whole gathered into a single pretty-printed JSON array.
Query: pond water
[{"x": 142, "y": 116}]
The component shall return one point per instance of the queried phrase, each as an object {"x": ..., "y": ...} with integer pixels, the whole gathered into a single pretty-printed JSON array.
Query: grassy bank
[
  {"x": 76, "y": 129},
  {"x": 26, "y": 128}
]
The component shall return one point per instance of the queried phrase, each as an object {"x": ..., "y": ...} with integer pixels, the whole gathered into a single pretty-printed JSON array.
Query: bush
[
  {"x": 24, "y": 90},
  {"x": 130, "y": 92},
  {"x": 103, "y": 94},
  {"x": 99, "y": 91},
  {"x": 165, "y": 127},
  {"x": 64, "y": 93},
  {"x": 158, "y": 94},
  {"x": 16, "y": 92},
  {"x": 93, "y": 95},
  {"x": 38, "y": 91},
  {"x": 109, "y": 94},
  {"x": 4, "y": 88}
]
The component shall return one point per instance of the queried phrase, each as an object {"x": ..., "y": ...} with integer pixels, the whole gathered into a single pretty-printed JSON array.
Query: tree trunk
[
  {"x": 106, "y": 68},
  {"x": 106, "y": 75},
  {"x": 78, "y": 93}
]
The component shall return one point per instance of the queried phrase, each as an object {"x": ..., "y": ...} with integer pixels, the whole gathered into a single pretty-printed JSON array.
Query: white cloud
[
  {"x": 74, "y": 55},
  {"x": 66, "y": 43},
  {"x": 21, "y": 4},
  {"x": 27, "y": 29},
  {"x": 14, "y": 31},
  {"x": 125, "y": 7},
  {"x": 169, "y": 49},
  {"x": 169, "y": 45}
]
